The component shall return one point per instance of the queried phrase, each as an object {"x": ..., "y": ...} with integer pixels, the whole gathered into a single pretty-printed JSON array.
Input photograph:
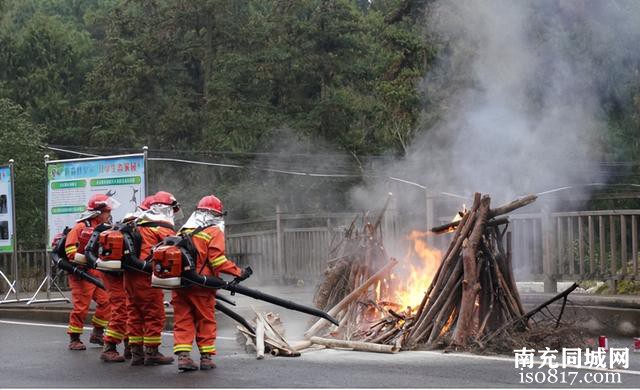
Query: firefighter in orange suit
[
  {"x": 82, "y": 292},
  {"x": 145, "y": 309},
  {"x": 114, "y": 283},
  {"x": 193, "y": 307}
]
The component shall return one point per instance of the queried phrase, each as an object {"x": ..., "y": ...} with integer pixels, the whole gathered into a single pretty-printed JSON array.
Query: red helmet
[
  {"x": 163, "y": 197},
  {"x": 147, "y": 202},
  {"x": 99, "y": 202},
  {"x": 212, "y": 203}
]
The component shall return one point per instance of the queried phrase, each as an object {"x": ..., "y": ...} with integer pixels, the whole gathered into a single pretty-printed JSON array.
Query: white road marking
[{"x": 86, "y": 327}]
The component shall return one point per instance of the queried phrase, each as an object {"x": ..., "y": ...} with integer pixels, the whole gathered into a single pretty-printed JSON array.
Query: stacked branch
[
  {"x": 474, "y": 290},
  {"x": 472, "y": 294},
  {"x": 354, "y": 279},
  {"x": 266, "y": 336}
]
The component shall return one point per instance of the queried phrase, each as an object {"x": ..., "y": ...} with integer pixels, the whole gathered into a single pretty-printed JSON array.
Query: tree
[{"x": 20, "y": 140}]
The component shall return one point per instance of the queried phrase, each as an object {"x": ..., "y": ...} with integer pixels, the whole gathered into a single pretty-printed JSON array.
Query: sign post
[
  {"x": 70, "y": 184},
  {"x": 8, "y": 237},
  {"x": 47, "y": 264}
]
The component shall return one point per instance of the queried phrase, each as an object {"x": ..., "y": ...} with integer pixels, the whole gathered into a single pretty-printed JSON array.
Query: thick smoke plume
[{"x": 519, "y": 89}]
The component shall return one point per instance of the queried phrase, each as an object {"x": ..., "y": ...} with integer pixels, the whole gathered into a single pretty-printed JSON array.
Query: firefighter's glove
[{"x": 246, "y": 272}]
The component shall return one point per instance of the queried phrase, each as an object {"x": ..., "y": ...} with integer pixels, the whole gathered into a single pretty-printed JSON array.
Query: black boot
[
  {"x": 205, "y": 362},
  {"x": 75, "y": 344},
  {"x": 137, "y": 355},
  {"x": 153, "y": 357},
  {"x": 185, "y": 363},
  {"x": 110, "y": 354},
  {"x": 96, "y": 336},
  {"x": 127, "y": 349}
]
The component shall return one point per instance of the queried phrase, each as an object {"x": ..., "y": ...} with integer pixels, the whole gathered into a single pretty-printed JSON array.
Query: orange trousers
[
  {"x": 117, "y": 329},
  {"x": 82, "y": 292},
  {"x": 194, "y": 317},
  {"x": 145, "y": 309}
]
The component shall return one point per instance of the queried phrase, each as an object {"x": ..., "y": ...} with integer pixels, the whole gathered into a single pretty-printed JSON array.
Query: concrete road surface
[{"x": 36, "y": 355}]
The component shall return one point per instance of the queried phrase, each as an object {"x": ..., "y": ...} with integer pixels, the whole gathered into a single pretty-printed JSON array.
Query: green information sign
[
  {"x": 67, "y": 209},
  {"x": 59, "y": 185},
  {"x": 116, "y": 181},
  {"x": 73, "y": 182}
]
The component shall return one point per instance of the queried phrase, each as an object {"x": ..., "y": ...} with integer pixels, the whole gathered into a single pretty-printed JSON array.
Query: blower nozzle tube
[
  {"x": 131, "y": 261},
  {"x": 73, "y": 269}
]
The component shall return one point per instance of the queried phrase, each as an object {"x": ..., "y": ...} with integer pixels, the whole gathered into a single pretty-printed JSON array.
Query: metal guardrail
[
  {"x": 600, "y": 245},
  {"x": 31, "y": 267}
]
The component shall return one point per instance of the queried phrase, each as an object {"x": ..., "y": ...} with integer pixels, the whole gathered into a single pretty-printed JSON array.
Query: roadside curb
[{"x": 596, "y": 315}]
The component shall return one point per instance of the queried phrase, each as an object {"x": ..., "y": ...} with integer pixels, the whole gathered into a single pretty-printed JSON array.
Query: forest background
[{"x": 340, "y": 87}]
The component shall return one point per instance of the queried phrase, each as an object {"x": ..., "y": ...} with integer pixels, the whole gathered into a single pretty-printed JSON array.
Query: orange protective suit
[
  {"x": 193, "y": 307},
  {"x": 145, "y": 308},
  {"x": 82, "y": 291},
  {"x": 117, "y": 329}
]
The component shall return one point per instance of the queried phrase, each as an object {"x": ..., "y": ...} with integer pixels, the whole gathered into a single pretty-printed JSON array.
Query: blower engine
[{"x": 174, "y": 262}]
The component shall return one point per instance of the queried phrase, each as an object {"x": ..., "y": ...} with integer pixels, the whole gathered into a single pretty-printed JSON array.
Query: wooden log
[
  {"x": 561, "y": 295},
  {"x": 259, "y": 339},
  {"x": 270, "y": 344},
  {"x": 470, "y": 284},
  {"x": 514, "y": 305},
  {"x": 355, "y": 345},
  {"x": 444, "y": 315},
  {"x": 446, "y": 228},
  {"x": 273, "y": 335},
  {"x": 452, "y": 255},
  {"x": 486, "y": 295},
  {"x": 504, "y": 209},
  {"x": 332, "y": 276},
  {"x": 299, "y": 346},
  {"x": 509, "y": 207},
  {"x": 353, "y": 295},
  {"x": 424, "y": 323},
  {"x": 312, "y": 348},
  {"x": 385, "y": 335}
]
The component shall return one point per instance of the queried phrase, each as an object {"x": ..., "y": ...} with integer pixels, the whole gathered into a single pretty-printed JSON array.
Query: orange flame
[{"x": 415, "y": 272}]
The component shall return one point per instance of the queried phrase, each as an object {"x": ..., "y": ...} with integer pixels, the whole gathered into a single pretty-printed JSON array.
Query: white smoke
[{"x": 521, "y": 86}]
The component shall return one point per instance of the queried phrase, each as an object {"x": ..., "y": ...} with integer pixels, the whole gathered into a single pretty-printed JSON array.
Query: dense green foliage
[
  {"x": 20, "y": 138},
  {"x": 234, "y": 81}
]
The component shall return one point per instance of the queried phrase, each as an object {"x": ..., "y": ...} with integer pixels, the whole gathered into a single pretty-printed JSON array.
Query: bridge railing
[{"x": 549, "y": 247}]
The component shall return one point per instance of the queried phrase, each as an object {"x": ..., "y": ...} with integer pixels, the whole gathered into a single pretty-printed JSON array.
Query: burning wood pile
[{"x": 468, "y": 295}]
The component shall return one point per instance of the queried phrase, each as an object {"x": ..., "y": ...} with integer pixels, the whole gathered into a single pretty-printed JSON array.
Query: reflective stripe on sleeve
[
  {"x": 218, "y": 261},
  {"x": 203, "y": 235}
]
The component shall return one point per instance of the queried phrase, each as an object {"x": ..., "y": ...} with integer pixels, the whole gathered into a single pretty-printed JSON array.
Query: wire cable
[
  {"x": 71, "y": 152},
  {"x": 337, "y": 175}
]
